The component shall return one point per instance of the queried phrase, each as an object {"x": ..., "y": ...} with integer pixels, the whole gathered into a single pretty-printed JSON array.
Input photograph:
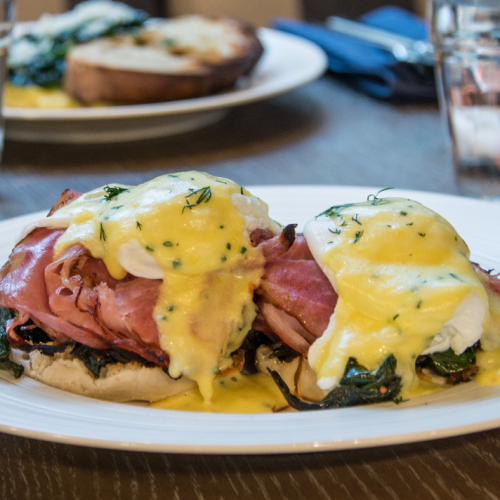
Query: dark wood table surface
[{"x": 324, "y": 133}]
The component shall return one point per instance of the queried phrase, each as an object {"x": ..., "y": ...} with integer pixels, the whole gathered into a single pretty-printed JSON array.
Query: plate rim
[{"x": 160, "y": 445}]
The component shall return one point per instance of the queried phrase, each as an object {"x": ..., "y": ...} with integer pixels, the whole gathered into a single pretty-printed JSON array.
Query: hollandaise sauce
[
  {"x": 32, "y": 96},
  {"x": 187, "y": 230},
  {"x": 406, "y": 287},
  {"x": 233, "y": 393}
]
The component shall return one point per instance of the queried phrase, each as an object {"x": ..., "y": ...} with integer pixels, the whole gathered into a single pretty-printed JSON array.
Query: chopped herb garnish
[
  {"x": 337, "y": 231},
  {"x": 176, "y": 263},
  {"x": 170, "y": 308},
  {"x": 358, "y": 236},
  {"x": 241, "y": 189},
  {"x": 172, "y": 175},
  {"x": 404, "y": 214},
  {"x": 455, "y": 277},
  {"x": 223, "y": 258},
  {"x": 221, "y": 227},
  {"x": 138, "y": 225},
  {"x": 102, "y": 235},
  {"x": 149, "y": 249},
  {"x": 113, "y": 192},
  {"x": 335, "y": 210},
  {"x": 456, "y": 238},
  {"x": 234, "y": 379},
  {"x": 222, "y": 182},
  {"x": 419, "y": 304},
  {"x": 228, "y": 246},
  {"x": 205, "y": 195},
  {"x": 243, "y": 250},
  {"x": 164, "y": 318},
  {"x": 355, "y": 219},
  {"x": 422, "y": 234},
  {"x": 395, "y": 317},
  {"x": 117, "y": 207},
  {"x": 168, "y": 244},
  {"x": 410, "y": 224}
]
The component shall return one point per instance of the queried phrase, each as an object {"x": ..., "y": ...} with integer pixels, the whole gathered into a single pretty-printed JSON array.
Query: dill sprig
[
  {"x": 102, "y": 235},
  {"x": 113, "y": 192},
  {"x": 335, "y": 210},
  {"x": 205, "y": 195},
  {"x": 375, "y": 200}
]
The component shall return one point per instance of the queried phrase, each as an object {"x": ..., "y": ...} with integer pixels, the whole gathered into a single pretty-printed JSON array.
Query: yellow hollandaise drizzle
[
  {"x": 234, "y": 393},
  {"x": 489, "y": 367},
  {"x": 188, "y": 226},
  {"x": 37, "y": 97},
  {"x": 401, "y": 273}
]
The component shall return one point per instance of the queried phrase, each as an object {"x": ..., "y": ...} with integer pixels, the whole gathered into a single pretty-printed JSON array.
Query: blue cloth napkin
[{"x": 370, "y": 69}]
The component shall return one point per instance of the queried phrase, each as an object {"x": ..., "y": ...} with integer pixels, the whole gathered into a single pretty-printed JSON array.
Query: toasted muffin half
[{"x": 174, "y": 59}]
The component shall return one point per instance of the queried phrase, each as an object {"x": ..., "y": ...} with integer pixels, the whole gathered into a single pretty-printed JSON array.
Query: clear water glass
[{"x": 466, "y": 35}]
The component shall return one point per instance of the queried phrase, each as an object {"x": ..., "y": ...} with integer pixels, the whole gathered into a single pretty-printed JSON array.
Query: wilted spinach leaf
[
  {"x": 448, "y": 363},
  {"x": 358, "y": 386},
  {"x": 47, "y": 67},
  {"x": 5, "y": 363}
]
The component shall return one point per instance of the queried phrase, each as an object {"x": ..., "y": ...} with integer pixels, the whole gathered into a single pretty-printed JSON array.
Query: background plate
[
  {"x": 34, "y": 410},
  {"x": 288, "y": 62}
]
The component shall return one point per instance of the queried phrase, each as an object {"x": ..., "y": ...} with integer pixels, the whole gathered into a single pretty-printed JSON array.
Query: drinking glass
[{"x": 466, "y": 36}]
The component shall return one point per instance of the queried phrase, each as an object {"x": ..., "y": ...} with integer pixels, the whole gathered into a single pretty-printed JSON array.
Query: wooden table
[{"x": 324, "y": 133}]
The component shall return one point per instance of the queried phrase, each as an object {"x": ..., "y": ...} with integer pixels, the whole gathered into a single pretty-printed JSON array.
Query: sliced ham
[
  {"x": 22, "y": 285},
  {"x": 70, "y": 298},
  {"x": 66, "y": 197},
  {"x": 117, "y": 312},
  {"x": 288, "y": 329},
  {"x": 296, "y": 298}
]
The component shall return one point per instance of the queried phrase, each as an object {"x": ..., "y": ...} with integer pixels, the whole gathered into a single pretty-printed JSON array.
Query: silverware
[{"x": 404, "y": 49}]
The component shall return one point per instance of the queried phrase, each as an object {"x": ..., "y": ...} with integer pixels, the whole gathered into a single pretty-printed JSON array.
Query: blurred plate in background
[{"x": 288, "y": 62}]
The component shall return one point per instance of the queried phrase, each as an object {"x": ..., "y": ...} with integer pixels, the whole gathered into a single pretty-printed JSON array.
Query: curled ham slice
[
  {"x": 493, "y": 278},
  {"x": 295, "y": 297},
  {"x": 286, "y": 327},
  {"x": 75, "y": 298},
  {"x": 66, "y": 197}
]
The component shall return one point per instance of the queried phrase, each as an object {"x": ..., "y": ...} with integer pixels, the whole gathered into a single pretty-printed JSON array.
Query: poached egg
[
  {"x": 405, "y": 283},
  {"x": 192, "y": 231}
]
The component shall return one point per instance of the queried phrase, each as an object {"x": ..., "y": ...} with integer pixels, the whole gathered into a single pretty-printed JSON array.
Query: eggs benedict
[
  {"x": 404, "y": 297},
  {"x": 405, "y": 283},
  {"x": 164, "y": 271},
  {"x": 183, "y": 286}
]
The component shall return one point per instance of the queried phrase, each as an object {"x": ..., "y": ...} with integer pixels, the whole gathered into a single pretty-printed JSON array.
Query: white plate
[
  {"x": 288, "y": 62},
  {"x": 31, "y": 409}
]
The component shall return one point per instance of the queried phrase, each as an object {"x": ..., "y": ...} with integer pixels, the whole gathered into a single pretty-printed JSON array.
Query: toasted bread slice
[{"x": 173, "y": 59}]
